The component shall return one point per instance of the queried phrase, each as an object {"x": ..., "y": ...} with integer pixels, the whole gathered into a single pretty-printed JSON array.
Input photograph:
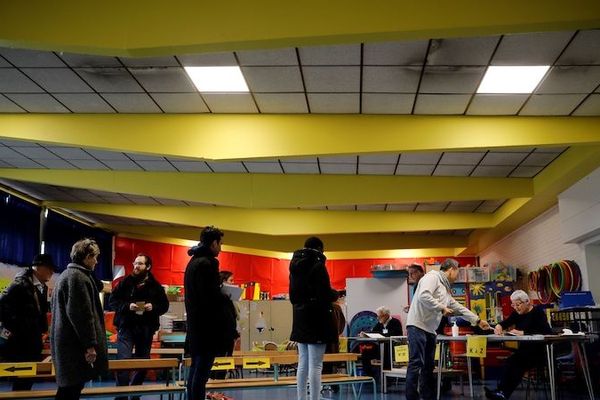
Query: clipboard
[{"x": 232, "y": 291}]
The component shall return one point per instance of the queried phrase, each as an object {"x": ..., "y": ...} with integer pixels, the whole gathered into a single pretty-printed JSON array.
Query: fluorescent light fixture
[
  {"x": 512, "y": 79},
  {"x": 218, "y": 79}
]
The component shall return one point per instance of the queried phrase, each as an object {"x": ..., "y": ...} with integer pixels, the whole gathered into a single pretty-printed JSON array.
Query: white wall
[{"x": 579, "y": 208}]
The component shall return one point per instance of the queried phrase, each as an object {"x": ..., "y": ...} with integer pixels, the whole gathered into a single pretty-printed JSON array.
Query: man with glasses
[
  {"x": 139, "y": 300},
  {"x": 524, "y": 320}
]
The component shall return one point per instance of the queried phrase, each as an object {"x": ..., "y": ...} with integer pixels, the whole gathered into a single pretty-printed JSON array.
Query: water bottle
[{"x": 454, "y": 329}]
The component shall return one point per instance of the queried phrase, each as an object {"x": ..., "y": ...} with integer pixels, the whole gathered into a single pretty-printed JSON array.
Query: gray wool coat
[{"x": 77, "y": 324}]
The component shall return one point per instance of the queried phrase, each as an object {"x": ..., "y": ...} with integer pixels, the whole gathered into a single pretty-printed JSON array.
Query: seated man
[
  {"x": 387, "y": 326},
  {"x": 525, "y": 320}
]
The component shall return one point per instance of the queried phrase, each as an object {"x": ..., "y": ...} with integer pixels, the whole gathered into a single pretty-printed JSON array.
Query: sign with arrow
[
  {"x": 256, "y": 362},
  {"x": 222, "y": 363},
  {"x": 18, "y": 369}
]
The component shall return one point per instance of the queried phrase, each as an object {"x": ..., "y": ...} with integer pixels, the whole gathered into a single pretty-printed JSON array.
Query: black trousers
[
  {"x": 522, "y": 360},
  {"x": 69, "y": 392}
]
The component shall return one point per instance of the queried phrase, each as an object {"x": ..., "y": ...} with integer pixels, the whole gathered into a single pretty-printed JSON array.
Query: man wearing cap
[
  {"x": 23, "y": 308},
  {"x": 431, "y": 301}
]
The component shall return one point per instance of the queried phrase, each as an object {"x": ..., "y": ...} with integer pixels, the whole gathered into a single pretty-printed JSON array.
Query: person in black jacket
[
  {"x": 138, "y": 300},
  {"x": 525, "y": 320},
  {"x": 313, "y": 325},
  {"x": 211, "y": 320},
  {"x": 23, "y": 309},
  {"x": 387, "y": 326}
]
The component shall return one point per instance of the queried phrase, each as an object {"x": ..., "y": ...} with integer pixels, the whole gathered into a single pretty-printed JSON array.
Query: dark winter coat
[
  {"x": 23, "y": 310},
  {"x": 311, "y": 296},
  {"x": 211, "y": 319},
  {"x": 133, "y": 289},
  {"x": 77, "y": 324}
]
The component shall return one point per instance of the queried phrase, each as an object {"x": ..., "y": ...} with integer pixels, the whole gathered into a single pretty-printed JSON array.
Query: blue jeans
[
  {"x": 198, "y": 375},
  {"x": 419, "y": 373},
  {"x": 310, "y": 365},
  {"x": 140, "y": 338}
]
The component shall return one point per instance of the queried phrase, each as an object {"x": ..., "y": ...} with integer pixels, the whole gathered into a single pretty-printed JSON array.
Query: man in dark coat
[
  {"x": 77, "y": 334},
  {"x": 387, "y": 326},
  {"x": 23, "y": 309},
  {"x": 211, "y": 321},
  {"x": 138, "y": 300},
  {"x": 313, "y": 325}
]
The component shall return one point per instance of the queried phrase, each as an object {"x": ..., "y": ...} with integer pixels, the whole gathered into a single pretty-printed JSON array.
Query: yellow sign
[
  {"x": 18, "y": 369},
  {"x": 256, "y": 362},
  {"x": 476, "y": 346},
  {"x": 401, "y": 353},
  {"x": 221, "y": 363},
  {"x": 343, "y": 344},
  {"x": 437, "y": 352}
]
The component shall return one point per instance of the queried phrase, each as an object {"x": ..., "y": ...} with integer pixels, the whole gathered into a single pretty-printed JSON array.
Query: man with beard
[{"x": 139, "y": 300}]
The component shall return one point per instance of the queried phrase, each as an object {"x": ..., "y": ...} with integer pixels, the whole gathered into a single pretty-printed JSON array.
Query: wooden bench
[{"x": 170, "y": 387}]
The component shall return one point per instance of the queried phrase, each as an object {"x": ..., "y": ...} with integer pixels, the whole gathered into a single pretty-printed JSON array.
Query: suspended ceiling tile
[
  {"x": 88, "y": 164},
  {"x": 300, "y": 168},
  {"x": 31, "y": 58},
  {"x": 512, "y": 159},
  {"x": 421, "y": 170},
  {"x": 17, "y": 143},
  {"x": 57, "y": 80},
  {"x": 463, "y": 206},
  {"x": 230, "y": 102},
  {"x": 531, "y": 48},
  {"x": 3, "y": 62},
  {"x": 170, "y": 202},
  {"x": 89, "y": 61},
  {"x": 387, "y": 103},
  {"x": 38, "y": 103},
  {"x": 149, "y": 61},
  {"x": 525, "y": 171},
  {"x": 14, "y": 81},
  {"x": 162, "y": 165},
  {"x": 552, "y": 104},
  {"x": 141, "y": 199},
  {"x": 122, "y": 165},
  {"x": 496, "y": 104},
  {"x": 131, "y": 102},
  {"x": 401, "y": 207},
  {"x": 370, "y": 207},
  {"x": 37, "y": 152},
  {"x": 70, "y": 153},
  {"x": 309, "y": 160},
  {"x": 164, "y": 79},
  {"x": 431, "y": 206},
  {"x": 391, "y": 79},
  {"x": 224, "y": 59},
  {"x": 451, "y": 79},
  {"x": 490, "y": 206},
  {"x": 334, "y": 103},
  {"x": 7, "y": 152},
  {"x": 376, "y": 169},
  {"x": 7, "y": 106},
  {"x": 348, "y": 159},
  {"x": 107, "y": 155},
  {"x": 539, "y": 159},
  {"x": 4, "y": 164},
  {"x": 461, "y": 158},
  {"x": 276, "y": 103},
  {"x": 591, "y": 106},
  {"x": 273, "y": 79},
  {"x": 23, "y": 163},
  {"x": 462, "y": 51},
  {"x": 378, "y": 159},
  {"x": 550, "y": 149},
  {"x": 84, "y": 102},
  {"x": 180, "y": 102},
  {"x": 337, "y": 168},
  {"x": 227, "y": 166},
  {"x": 263, "y": 167},
  {"x": 462, "y": 232},
  {"x": 395, "y": 53},
  {"x": 453, "y": 170},
  {"x": 516, "y": 149},
  {"x": 420, "y": 158},
  {"x": 584, "y": 49},
  {"x": 342, "y": 207},
  {"x": 116, "y": 199},
  {"x": 492, "y": 171},
  {"x": 268, "y": 57},
  {"x": 191, "y": 166},
  {"x": 441, "y": 103},
  {"x": 110, "y": 80},
  {"x": 568, "y": 79},
  {"x": 331, "y": 79},
  {"x": 330, "y": 55}
]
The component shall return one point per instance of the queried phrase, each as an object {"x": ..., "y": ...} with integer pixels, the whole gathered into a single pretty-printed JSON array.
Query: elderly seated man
[
  {"x": 524, "y": 320},
  {"x": 387, "y": 326}
]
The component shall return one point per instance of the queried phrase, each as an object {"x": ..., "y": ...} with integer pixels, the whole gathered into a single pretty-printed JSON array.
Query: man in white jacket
[{"x": 432, "y": 300}]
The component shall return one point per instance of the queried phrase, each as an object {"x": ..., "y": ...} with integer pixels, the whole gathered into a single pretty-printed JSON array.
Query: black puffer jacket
[{"x": 311, "y": 296}]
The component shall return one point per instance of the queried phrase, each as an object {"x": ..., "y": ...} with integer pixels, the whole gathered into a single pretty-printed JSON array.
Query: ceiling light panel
[
  {"x": 218, "y": 79},
  {"x": 512, "y": 79}
]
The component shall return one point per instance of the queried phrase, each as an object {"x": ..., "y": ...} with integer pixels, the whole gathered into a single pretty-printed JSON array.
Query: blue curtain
[
  {"x": 60, "y": 233},
  {"x": 19, "y": 230}
]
